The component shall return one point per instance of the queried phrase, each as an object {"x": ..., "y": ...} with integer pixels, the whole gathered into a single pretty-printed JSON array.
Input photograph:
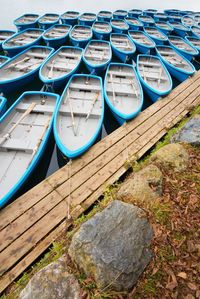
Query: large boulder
[
  {"x": 144, "y": 185},
  {"x": 172, "y": 155},
  {"x": 113, "y": 246},
  {"x": 190, "y": 133},
  {"x": 52, "y": 282}
]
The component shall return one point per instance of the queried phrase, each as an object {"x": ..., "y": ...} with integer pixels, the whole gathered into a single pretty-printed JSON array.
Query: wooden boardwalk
[{"x": 30, "y": 224}]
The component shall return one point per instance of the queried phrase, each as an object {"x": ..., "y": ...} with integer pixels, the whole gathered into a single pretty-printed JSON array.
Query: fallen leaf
[
  {"x": 182, "y": 275},
  {"x": 192, "y": 286},
  {"x": 171, "y": 285},
  {"x": 189, "y": 296}
]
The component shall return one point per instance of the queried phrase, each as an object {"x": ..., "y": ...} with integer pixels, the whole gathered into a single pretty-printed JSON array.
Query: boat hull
[
  {"x": 46, "y": 26},
  {"x": 3, "y": 105},
  {"x": 55, "y": 42}
]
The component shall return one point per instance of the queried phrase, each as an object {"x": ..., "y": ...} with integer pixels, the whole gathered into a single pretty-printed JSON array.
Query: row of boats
[{"x": 72, "y": 118}]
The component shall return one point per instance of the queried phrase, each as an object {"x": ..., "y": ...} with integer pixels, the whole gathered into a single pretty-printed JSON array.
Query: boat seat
[
  {"x": 17, "y": 145},
  {"x": 60, "y": 67},
  {"x": 60, "y": 30},
  {"x": 4, "y": 37},
  {"x": 115, "y": 39},
  {"x": 147, "y": 64},
  {"x": 42, "y": 109},
  {"x": 80, "y": 35},
  {"x": 165, "y": 52},
  {"x": 36, "y": 55},
  {"x": 150, "y": 77},
  {"x": 69, "y": 55},
  {"x": 125, "y": 47},
  {"x": 85, "y": 87},
  {"x": 32, "y": 35},
  {"x": 95, "y": 113},
  {"x": 120, "y": 74},
  {"x": 20, "y": 42},
  {"x": 97, "y": 47},
  {"x": 54, "y": 35}
]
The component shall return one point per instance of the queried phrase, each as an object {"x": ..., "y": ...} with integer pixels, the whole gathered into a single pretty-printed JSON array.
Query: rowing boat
[
  {"x": 174, "y": 18},
  {"x": 104, "y": 16},
  {"x": 101, "y": 30},
  {"x": 146, "y": 20},
  {"x": 97, "y": 55},
  {"x": 25, "y": 136},
  {"x": 180, "y": 29},
  {"x": 70, "y": 17},
  {"x": 159, "y": 17},
  {"x": 4, "y": 35},
  {"x": 122, "y": 46},
  {"x": 184, "y": 47},
  {"x": 48, "y": 20},
  {"x": 157, "y": 35},
  {"x": 120, "y": 14},
  {"x": 134, "y": 13},
  {"x": 150, "y": 12},
  {"x": 22, "y": 40},
  {"x": 195, "y": 41},
  {"x": 195, "y": 31},
  {"x": 79, "y": 116},
  {"x": 3, "y": 104},
  {"x": 58, "y": 68},
  {"x": 80, "y": 35},
  {"x": 177, "y": 64},
  {"x": 56, "y": 35},
  {"x": 154, "y": 76},
  {"x": 123, "y": 92},
  {"x": 23, "y": 68},
  {"x": 119, "y": 26},
  {"x": 134, "y": 23},
  {"x": 143, "y": 42},
  {"x": 165, "y": 27},
  {"x": 87, "y": 19},
  {"x": 25, "y": 21},
  {"x": 188, "y": 21}
]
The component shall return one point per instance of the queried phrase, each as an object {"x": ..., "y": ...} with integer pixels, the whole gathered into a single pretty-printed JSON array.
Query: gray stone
[
  {"x": 172, "y": 155},
  {"x": 52, "y": 282},
  {"x": 113, "y": 246},
  {"x": 144, "y": 185},
  {"x": 190, "y": 133}
]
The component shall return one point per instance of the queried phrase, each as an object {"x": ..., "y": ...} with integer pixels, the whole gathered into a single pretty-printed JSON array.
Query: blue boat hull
[
  {"x": 101, "y": 36},
  {"x": 153, "y": 95},
  {"x": 121, "y": 55},
  {"x": 86, "y": 22},
  {"x": 104, "y": 19},
  {"x": 81, "y": 44},
  {"x": 12, "y": 51},
  {"x": 180, "y": 76},
  {"x": 56, "y": 43},
  {"x": 22, "y": 27},
  {"x": 3, "y": 105},
  {"x": 46, "y": 26},
  {"x": 69, "y": 21},
  {"x": 96, "y": 70},
  {"x": 119, "y": 30},
  {"x": 180, "y": 32}
]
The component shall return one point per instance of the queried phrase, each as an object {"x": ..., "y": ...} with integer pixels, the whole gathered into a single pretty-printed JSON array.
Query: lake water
[{"x": 11, "y": 9}]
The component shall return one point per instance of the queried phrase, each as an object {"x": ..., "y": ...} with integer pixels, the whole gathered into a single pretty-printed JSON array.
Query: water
[{"x": 11, "y": 9}]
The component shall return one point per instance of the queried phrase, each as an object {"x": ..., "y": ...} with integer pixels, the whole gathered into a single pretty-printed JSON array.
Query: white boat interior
[
  {"x": 120, "y": 24},
  {"x": 197, "y": 18},
  {"x": 141, "y": 38},
  {"x": 146, "y": 19},
  {"x": 61, "y": 63},
  {"x": 87, "y": 16},
  {"x": 70, "y": 14},
  {"x": 122, "y": 13},
  {"x": 49, "y": 18},
  {"x": 123, "y": 89},
  {"x": 81, "y": 32},
  {"x": 196, "y": 30},
  {"x": 57, "y": 31},
  {"x": 163, "y": 25},
  {"x": 174, "y": 58},
  {"x": 21, "y": 134},
  {"x": 24, "y": 63},
  {"x": 177, "y": 25},
  {"x": 98, "y": 52},
  {"x": 5, "y": 34},
  {"x": 134, "y": 21},
  {"x": 27, "y": 37},
  {"x": 80, "y": 112},
  {"x": 194, "y": 41},
  {"x": 153, "y": 73},
  {"x": 28, "y": 18},
  {"x": 188, "y": 21},
  {"x": 106, "y": 14},
  {"x": 102, "y": 27},
  {"x": 154, "y": 32},
  {"x": 122, "y": 42},
  {"x": 181, "y": 44}
]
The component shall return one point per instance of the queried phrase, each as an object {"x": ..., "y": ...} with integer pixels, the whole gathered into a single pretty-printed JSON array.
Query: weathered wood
[{"x": 30, "y": 224}]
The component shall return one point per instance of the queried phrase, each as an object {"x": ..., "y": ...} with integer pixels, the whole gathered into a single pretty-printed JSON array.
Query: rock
[
  {"x": 190, "y": 133},
  {"x": 144, "y": 185},
  {"x": 113, "y": 246},
  {"x": 172, "y": 155},
  {"x": 52, "y": 282}
]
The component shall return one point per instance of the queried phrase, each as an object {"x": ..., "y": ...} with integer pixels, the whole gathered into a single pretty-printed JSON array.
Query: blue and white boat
[
  {"x": 57, "y": 35},
  {"x": 25, "y": 139},
  {"x": 123, "y": 92},
  {"x": 60, "y": 66},
  {"x": 48, "y": 20},
  {"x": 22, "y": 40},
  {"x": 175, "y": 18},
  {"x": 180, "y": 29},
  {"x": 122, "y": 46},
  {"x": 134, "y": 13},
  {"x": 185, "y": 48},
  {"x": 80, "y": 35},
  {"x": 101, "y": 30},
  {"x": 27, "y": 20},
  {"x": 22, "y": 68},
  {"x": 87, "y": 18},
  {"x": 97, "y": 56},
  {"x": 4, "y": 35},
  {"x": 157, "y": 35},
  {"x": 172, "y": 11},
  {"x": 120, "y": 14},
  {"x": 177, "y": 64},
  {"x": 79, "y": 116},
  {"x": 134, "y": 23},
  {"x": 70, "y": 17},
  {"x": 160, "y": 17},
  {"x": 3, "y": 105},
  {"x": 165, "y": 27},
  {"x": 154, "y": 76},
  {"x": 143, "y": 42},
  {"x": 119, "y": 26},
  {"x": 188, "y": 20},
  {"x": 104, "y": 16},
  {"x": 195, "y": 41},
  {"x": 147, "y": 20},
  {"x": 3, "y": 59},
  {"x": 195, "y": 30},
  {"x": 150, "y": 12}
]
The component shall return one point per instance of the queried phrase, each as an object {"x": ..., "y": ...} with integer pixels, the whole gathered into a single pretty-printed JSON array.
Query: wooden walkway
[{"x": 30, "y": 224}]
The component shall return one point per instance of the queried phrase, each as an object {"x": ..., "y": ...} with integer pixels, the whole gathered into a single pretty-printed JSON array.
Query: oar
[
  {"x": 16, "y": 63},
  {"x": 159, "y": 79},
  {"x": 50, "y": 75},
  {"x": 30, "y": 108},
  {"x": 143, "y": 71},
  {"x": 72, "y": 113},
  {"x": 93, "y": 103},
  {"x": 114, "y": 98},
  {"x": 29, "y": 65}
]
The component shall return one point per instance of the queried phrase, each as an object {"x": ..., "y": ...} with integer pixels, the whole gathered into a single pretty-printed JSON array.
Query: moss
[
  {"x": 161, "y": 212},
  {"x": 166, "y": 253}
]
